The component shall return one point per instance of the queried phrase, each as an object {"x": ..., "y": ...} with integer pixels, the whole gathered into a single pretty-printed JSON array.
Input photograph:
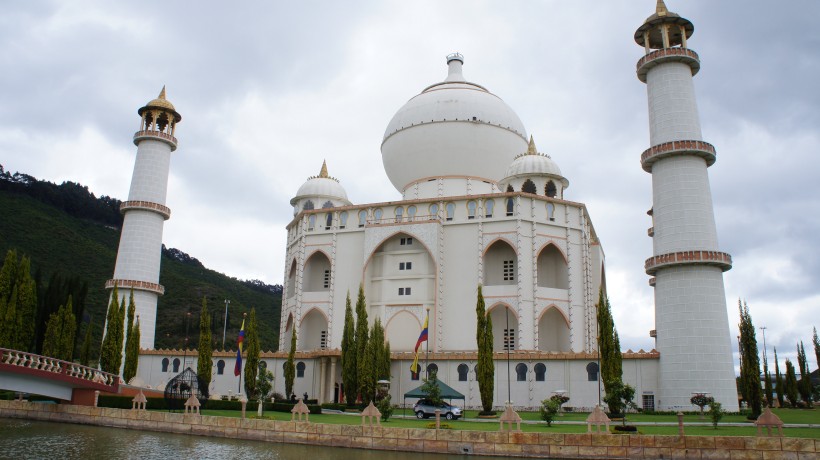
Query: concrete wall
[{"x": 497, "y": 443}]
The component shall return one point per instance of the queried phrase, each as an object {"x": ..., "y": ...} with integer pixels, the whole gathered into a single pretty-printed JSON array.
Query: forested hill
[{"x": 65, "y": 229}]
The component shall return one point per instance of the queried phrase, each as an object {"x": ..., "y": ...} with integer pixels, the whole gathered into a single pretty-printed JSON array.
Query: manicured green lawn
[{"x": 472, "y": 424}]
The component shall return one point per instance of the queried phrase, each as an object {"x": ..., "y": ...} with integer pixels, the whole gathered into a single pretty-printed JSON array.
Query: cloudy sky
[{"x": 267, "y": 90}]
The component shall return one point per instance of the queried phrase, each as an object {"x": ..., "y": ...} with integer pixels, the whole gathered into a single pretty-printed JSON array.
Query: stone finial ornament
[
  {"x": 597, "y": 418},
  {"x": 371, "y": 411},
  {"x": 298, "y": 411},
  {"x": 509, "y": 417},
  {"x": 139, "y": 401},
  {"x": 768, "y": 419}
]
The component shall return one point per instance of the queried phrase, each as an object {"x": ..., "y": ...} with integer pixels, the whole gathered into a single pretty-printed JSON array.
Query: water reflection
[{"x": 23, "y": 439}]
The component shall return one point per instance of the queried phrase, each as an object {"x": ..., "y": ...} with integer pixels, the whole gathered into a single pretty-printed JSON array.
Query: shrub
[
  {"x": 385, "y": 408},
  {"x": 715, "y": 413},
  {"x": 442, "y": 426},
  {"x": 549, "y": 409}
]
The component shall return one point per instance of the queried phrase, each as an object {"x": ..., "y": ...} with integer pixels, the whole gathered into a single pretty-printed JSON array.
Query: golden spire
[
  {"x": 162, "y": 93},
  {"x": 323, "y": 172},
  {"x": 531, "y": 150},
  {"x": 660, "y": 9}
]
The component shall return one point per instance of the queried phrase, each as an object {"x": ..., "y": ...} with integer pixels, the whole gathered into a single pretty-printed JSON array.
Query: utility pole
[{"x": 225, "y": 323}]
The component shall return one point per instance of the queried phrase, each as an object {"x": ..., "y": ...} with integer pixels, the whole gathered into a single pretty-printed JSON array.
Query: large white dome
[{"x": 452, "y": 129}]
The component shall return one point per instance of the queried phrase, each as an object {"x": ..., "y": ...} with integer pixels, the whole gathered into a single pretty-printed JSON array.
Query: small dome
[
  {"x": 321, "y": 186},
  {"x": 532, "y": 163},
  {"x": 161, "y": 103}
]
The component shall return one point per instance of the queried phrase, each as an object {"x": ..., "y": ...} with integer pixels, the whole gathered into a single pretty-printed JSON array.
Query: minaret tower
[
  {"x": 691, "y": 322},
  {"x": 145, "y": 213}
]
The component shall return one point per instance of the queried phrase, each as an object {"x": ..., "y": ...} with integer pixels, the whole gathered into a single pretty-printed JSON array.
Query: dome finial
[
  {"x": 531, "y": 150},
  {"x": 162, "y": 93},
  {"x": 323, "y": 172},
  {"x": 661, "y": 9},
  {"x": 454, "y": 63}
]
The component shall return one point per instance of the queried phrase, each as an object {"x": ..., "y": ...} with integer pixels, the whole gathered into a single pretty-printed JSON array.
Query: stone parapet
[
  {"x": 701, "y": 149},
  {"x": 162, "y": 210},
  {"x": 717, "y": 258},
  {"x": 136, "y": 284},
  {"x": 507, "y": 444},
  {"x": 655, "y": 58}
]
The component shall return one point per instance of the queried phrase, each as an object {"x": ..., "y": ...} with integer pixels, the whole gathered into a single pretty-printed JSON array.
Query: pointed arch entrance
[{"x": 553, "y": 331}]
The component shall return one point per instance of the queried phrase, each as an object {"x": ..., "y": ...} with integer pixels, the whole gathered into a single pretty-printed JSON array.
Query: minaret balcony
[
  {"x": 655, "y": 58},
  {"x": 652, "y": 281},
  {"x": 714, "y": 258},
  {"x": 650, "y": 231},
  {"x": 158, "y": 135},
  {"x": 164, "y": 211},
  {"x": 136, "y": 284},
  {"x": 702, "y": 149}
]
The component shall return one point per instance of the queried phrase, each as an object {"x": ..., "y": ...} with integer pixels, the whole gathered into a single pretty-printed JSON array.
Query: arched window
[
  {"x": 521, "y": 372},
  {"x": 434, "y": 210},
  {"x": 451, "y": 210},
  {"x": 165, "y": 364},
  {"x": 592, "y": 372},
  {"x": 176, "y": 364},
  {"x": 300, "y": 369},
  {"x": 488, "y": 208},
  {"x": 462, "y": 372},
  {"x": 377, "y": 214},
  {"x": 327, "y": 204},
  {"x": 362, "y": 218},
  {"x": 540, "y": 372},
  {"x": 510, "y": 188},
  {"x": 550, "y": 189},
  {"x": 414, "y": 375},
  {"x": 510, "y": 206},
  {"x": 432, "y": 369},
  {"x": 551, "y": 212},
  {"x": 471, "y": 209},
  {"x": 411, "y": 213},
  {"x": 308, "y": 205},
  {"x": 529, "y": 187},
  {"x": 328, "y": 220},
  {"x": 311, "y": 222},
  {"x": 343, "y": 219},
  {"x": 399, "y": 213},
  {"x": 220, "y": 367}
]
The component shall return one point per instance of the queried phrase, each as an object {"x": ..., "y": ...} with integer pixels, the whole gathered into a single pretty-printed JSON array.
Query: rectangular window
[
  {"x": 648, "y": 402},
  {"x": 509, "y": 339},
  {"x": 509, "y": 270},
  {"x": 323, "y": 340},
  {"x": 406, "y": 241},
  {"x": 405, "y": 265},
  {"x": 401, "y": 291},
  {"x": 326, "y": 282},
  {"x": 401, "y": 265},
  {"x": 404, "y": 291}
]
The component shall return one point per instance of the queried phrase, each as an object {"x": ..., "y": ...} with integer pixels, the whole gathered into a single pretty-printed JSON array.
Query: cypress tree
[
  {"x": 129, "y": 370},
  {"x": 791, "y": 384},
  {"x": 385, "y": 367},
  {"x": 252, "y": 360},
  {"x": 778, "y": 381},
  {"x": 8, "y": 274},
  {"x": 816, "y": 342},
  {"x": 804, "y": 386},
  {"x": 367, "y": 387},
  {"x": 750, "y": 363},
  {"x": 768, "y": 383},
  {"x": 290, "y": 367},
  {"x": 8, "y": 339},
  {"x": 204, "y": 363},
  {"x": 609, "y": 348},
  {"x": 109, "y": 349},
  {"x": 361, "y": 340},
  {"x": 60, "y": 331},
  {"x": 26, "y": 306},
  {"x": 349, "y": 355},
  {"x": 85, "y": 349},
  {"x": 485, "y": 367}
]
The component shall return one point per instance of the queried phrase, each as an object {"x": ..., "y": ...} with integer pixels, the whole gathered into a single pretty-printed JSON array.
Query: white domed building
[{"x": 480, "y": 206}]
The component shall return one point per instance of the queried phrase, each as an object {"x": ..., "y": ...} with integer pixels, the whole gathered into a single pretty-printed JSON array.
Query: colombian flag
[
  {"x": 238, "y": 368},
  {"x": 422, "y": 338}
]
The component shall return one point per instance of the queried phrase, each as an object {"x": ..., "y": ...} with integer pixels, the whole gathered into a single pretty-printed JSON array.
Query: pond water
[{"x": 25, "y": 439}]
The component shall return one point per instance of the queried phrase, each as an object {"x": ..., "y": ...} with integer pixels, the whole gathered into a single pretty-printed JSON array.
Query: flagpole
[
  {"x": 239, "y": 386},
  {"x": 427, "y": 345}
]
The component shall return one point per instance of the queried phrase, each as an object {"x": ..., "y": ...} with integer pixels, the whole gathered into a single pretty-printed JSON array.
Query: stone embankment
[{"x": 499, "y": 443}]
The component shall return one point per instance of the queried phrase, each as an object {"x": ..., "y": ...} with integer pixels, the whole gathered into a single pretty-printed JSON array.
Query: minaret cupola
[
  {"x": 534, "y": 172},
  {"x": 322, "y": 191},
  {"x": 159, "y": 120}
]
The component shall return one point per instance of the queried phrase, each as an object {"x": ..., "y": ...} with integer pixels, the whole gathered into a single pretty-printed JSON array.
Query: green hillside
[{"x": 58, "y": 242}]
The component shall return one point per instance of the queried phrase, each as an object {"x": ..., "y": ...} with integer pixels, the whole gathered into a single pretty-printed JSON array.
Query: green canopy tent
[{"x": 447, "y": 392}]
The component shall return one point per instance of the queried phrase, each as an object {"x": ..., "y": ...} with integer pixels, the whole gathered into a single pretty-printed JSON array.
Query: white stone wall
[
  {"x": 150, "y": 179},
  {"x": 682, "y": 205},
  {"x": 693, "y": 336},
  {"x": 673, "y": 110}
]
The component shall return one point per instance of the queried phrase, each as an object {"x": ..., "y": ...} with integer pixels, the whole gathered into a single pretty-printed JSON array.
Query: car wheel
[
  {"x": 419, "y": 414},
  {"x": 449, "y": 416}
]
